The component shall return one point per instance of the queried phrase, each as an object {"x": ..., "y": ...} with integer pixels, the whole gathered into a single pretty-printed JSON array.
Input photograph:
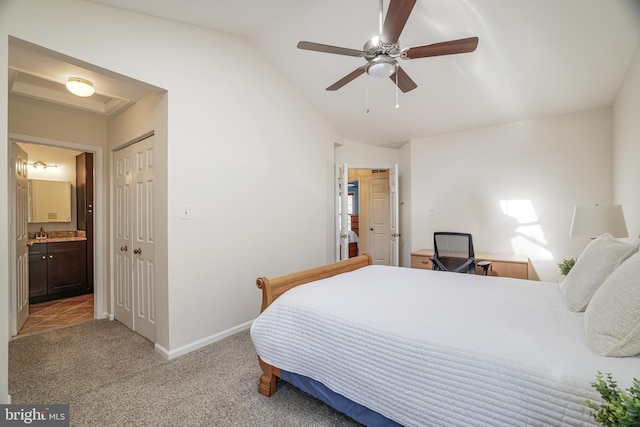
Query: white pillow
[
  {"x": 593, "y": 266},
  {"x": 612, "y": 319}
]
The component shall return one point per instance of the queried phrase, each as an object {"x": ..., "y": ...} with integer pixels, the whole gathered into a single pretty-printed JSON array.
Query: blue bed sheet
[{"x": 340, "y": 403}]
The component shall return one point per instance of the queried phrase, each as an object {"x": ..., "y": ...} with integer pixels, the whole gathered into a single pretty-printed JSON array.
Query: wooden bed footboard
[{"x": 276, "y": 286}]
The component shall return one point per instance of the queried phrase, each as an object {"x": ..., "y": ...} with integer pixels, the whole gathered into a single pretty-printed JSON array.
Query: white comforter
[{"x": 429, "y": 348}]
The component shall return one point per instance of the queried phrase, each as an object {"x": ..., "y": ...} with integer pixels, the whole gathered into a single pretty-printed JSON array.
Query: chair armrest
[{"x": 485, "y": 266}]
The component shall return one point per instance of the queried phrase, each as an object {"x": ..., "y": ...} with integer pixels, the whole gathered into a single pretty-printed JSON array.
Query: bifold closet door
[{"x": 134, "y": 237}]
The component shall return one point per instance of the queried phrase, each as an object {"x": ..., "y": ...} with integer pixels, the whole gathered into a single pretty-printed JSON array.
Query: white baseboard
[
  {"x": 107, "y": 316},
  {"x": 170, "y": 354}
]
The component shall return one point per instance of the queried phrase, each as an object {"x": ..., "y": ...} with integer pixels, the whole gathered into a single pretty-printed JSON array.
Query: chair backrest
[{"x": 454, "y": 251}]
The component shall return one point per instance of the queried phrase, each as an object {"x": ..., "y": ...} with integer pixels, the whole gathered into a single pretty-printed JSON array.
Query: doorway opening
[
  {"x": 370, "y": 223},
  {"x": 61, "y": 158}
]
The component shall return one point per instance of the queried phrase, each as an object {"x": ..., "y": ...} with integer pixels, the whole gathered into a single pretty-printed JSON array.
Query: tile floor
[{"x": 49, "y": 315}]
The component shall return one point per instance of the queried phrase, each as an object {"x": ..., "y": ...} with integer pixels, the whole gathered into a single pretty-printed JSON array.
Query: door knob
[
  {"x": 137, "y": 251},
  {"x": 124, "y": 248}
]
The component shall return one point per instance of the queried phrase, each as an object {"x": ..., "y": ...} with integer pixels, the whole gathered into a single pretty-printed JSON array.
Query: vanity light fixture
[
  {"x": 80, "y": 87},
  {"x": 42, "y": 165}
]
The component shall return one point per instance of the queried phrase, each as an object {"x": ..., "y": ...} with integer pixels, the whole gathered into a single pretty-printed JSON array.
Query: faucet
[{"x": 41, "y": 233}]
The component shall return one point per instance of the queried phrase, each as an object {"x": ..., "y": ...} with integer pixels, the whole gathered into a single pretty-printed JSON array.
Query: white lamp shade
[{"x": 592, "y": 221}]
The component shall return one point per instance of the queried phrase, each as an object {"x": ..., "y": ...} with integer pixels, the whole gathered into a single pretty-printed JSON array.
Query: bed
[{"x": 400, "y": 346}]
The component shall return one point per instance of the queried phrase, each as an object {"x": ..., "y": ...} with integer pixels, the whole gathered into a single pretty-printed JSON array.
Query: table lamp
[{"x": 592, "y": 221}]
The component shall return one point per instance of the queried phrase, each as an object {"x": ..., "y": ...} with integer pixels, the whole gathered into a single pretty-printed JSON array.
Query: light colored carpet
[{"x": 111, "y": 376}]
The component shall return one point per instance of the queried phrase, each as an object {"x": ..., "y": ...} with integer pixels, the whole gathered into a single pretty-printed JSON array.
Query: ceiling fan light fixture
[
  {"x": 381, "y": 67},
  {"x": 80, "y": 87}
]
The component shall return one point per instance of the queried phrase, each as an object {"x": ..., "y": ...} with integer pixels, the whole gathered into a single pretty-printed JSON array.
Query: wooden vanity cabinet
[
  {"x": 66, "y": 266},
  {"x": 37, "y": 270},
  {"x": 57, "y": 270}
]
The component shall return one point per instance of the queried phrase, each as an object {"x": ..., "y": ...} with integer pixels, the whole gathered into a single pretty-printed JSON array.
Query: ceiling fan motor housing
[
  {"x": 374, "y": 47},
  {"x": 380, "y": 58}
]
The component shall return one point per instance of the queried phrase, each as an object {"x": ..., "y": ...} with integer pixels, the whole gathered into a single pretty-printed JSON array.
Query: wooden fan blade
[
  {"x": 317, "y": 47},
  {"x": 397, "y": 15},
  {"x": 405, "y": 84},
  {"x": 444, "y": 48},
  {"x": 346, "y": 79}
]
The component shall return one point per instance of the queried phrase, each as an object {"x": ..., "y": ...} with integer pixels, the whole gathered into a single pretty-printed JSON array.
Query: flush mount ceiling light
[{"x": 80, "y": 87}]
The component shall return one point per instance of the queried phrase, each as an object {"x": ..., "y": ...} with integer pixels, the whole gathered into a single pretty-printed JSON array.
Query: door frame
[
  {"x": 341, "y": 249},
  {"x": 394, "y": 204},
  {"x": 99, "y": 307}
]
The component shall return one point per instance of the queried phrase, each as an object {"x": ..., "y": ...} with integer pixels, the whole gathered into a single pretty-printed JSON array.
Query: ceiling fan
[{"x": 382, "y": 51}]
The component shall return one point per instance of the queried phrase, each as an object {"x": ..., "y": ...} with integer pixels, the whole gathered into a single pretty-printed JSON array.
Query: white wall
[
  {"x": 357, "y": 154},
  {"x": 626, "y": 130},
  {"x": 539, "y": 169},
  {"x": 26, "y": 117},
  {"x": 251, "y": 157}
]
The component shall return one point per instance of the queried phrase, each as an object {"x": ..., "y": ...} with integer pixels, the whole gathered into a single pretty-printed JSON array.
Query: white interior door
[
  {"x": 122, "y": 236},
  {"x": 379, "y": 221},
  {"x": 394, "y": 241},
  {"x": 20, "y": 271},
  {"x": 343, "y": 217},
  {"x": 143, "y": 240},
  {"x": 134, "y": 238}
]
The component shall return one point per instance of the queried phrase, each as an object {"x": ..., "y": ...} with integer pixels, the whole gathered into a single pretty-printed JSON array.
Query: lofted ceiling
[{"x": 535, "y": 58}]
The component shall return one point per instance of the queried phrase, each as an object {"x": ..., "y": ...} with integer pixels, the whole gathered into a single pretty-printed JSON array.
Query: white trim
[
  {"x": 99, "y": 284},
  {"x": 171, "y": 354},
  {"x": 369, "y": 166}
]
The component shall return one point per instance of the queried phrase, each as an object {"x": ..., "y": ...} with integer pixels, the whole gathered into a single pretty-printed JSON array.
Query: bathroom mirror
[{"x": 49, "y": 201}]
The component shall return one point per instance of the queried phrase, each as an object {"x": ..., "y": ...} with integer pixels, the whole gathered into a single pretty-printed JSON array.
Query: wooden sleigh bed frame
[
  {"x": 516, "y": 356},
  {"x": 276, "y": 286}
]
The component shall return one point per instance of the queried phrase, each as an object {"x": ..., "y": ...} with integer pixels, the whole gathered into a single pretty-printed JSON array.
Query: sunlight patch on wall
[{"x": 529, "y": 239}]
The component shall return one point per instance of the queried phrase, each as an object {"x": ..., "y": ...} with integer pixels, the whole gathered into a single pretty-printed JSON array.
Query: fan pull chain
[
  {"x": 367, "y": 111},
  {"x": 397, "y": 102}
]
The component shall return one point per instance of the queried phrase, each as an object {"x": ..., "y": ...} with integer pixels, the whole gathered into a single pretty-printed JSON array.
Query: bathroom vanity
[{"x": 57, "y": 267}]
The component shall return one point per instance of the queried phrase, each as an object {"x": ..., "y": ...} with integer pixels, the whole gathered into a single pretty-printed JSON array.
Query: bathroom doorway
[{"x": 60, "y": 158}]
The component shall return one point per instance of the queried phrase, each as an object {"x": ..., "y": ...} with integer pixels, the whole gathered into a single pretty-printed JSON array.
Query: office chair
[{"x": 454, "y": 252}]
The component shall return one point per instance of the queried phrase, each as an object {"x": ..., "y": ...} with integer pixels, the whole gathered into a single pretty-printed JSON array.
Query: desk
[{"x": 516, "y": 266}]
